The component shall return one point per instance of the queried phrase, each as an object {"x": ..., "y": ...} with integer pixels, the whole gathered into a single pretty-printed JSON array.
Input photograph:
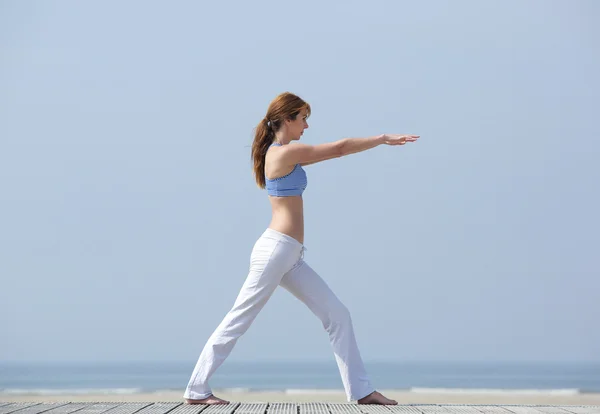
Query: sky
[{"x": 128, "y": 209}]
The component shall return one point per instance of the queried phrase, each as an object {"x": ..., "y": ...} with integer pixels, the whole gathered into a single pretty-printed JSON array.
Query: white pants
[{"x": 277, "y": 259}]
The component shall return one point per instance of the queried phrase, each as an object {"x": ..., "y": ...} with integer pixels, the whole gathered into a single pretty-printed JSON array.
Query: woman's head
[{"x": 286, "y": 121}]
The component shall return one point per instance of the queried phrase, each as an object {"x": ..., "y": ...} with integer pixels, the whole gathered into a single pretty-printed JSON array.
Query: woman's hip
[{"x": 275, "y": 250}]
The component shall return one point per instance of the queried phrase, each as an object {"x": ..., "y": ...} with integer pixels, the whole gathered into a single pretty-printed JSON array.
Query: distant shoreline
[
  {"x": 291, "y": 391},
  {"x": 334, "y": 396}
]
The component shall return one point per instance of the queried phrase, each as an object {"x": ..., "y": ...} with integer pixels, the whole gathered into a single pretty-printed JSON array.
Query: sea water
[{"x": 295, "y": 376}]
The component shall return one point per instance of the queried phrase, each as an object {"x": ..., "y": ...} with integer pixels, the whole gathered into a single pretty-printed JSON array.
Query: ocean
[{"x": 450, "y": 377}]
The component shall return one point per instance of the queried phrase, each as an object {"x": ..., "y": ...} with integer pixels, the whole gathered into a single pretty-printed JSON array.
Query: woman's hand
[{"x": 397, "y": 139}]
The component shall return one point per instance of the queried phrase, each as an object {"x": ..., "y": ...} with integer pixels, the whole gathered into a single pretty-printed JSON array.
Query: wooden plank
[
  {"x": 551, "y": 409},
  {"x": 373, "y": 409},
  {"x": 282, "y": 408},
  {"x": 252, "y": 408},
  {"x": 476, "y": 409},
  {"x": 522, "y": 409},
  {"x": 188, "y": 409},
  {"x": 405, "y": 409},
  {"x": 38, "y": 408},
  {"x": 12, "y": 407},
  {"x": 462, "y": 409},
  {"x": 343, "y": 408},
  {"x": 128, "y": 408},
  {"x": 158, "y": 408},
  {"x": 68, "y": 408},
  {"x": 432, "y": 409},
  {"x": 313, "y": 408},
  {"x": 468, "y": 409},
  {"x": 221, "y": 408},
  {"x": 492, "y": 409},
  {"x": 588, "y": 409},
  {"x": 531, "y": 409},
  {"x": 93, "y": 408}
]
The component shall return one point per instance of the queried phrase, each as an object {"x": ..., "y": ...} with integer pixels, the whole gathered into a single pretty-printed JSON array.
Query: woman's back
[
  {"x": 288, "y": 216},
  {"x": 285, "y": 188}
]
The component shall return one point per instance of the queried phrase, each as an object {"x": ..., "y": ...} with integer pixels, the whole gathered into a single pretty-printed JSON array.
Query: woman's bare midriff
[{"x": 288, "y": 216}]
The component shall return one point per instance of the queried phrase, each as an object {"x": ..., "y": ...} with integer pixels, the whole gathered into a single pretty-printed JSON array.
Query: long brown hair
[{"x": 284, "y": 106}]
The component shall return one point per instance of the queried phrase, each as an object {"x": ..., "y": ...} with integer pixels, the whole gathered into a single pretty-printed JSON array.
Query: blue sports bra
[{"x": 291, "y": 184}]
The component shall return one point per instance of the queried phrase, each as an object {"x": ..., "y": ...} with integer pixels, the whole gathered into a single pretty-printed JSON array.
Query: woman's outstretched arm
[{"x": 309, "y": 154}]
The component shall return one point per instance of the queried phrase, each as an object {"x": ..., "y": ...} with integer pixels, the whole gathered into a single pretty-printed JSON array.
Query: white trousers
[{"x": 277, "y": 259}]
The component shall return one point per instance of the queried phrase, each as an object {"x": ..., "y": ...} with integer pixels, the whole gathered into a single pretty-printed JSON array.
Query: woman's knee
[{"x": 338, "y": 315}]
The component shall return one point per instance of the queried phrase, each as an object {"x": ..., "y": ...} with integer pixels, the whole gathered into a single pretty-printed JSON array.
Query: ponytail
[{"x": 263, "y": 138}]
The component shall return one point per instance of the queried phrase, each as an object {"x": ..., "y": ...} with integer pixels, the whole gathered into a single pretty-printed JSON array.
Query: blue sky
[{"x": 129, "y": 209}]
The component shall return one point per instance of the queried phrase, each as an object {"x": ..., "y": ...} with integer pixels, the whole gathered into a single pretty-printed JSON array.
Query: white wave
[
  {"x": 312, "y": 391},
  {"x": 74, "y": 391},
  {"x": 236, "y": 390},
  {"x": 564, "y": 391},
  {"x": 163, "y": 391}
]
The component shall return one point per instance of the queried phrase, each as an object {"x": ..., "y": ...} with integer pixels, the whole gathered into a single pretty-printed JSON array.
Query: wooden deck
[{"x": 285, "y": 408}]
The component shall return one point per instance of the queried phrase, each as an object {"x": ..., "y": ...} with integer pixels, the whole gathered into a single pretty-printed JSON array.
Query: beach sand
[{"x": 403, "y": 397}]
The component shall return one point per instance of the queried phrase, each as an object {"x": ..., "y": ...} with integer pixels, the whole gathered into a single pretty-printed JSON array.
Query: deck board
[
  {"x": 552, "y": 410},
  {"x": 35, "y": 408},
  {"x": 221, "y": 408},
  {"x": 12, "y": 407},
  {"x": 97, "y": 408},
  {"x": 252, "y": 408},
  {"x": 343, "y": 408},
  {"x": 582, "y": 409},
  {"x": 128, "y": 408},
  {"x": 432, "y": 409},
  {"x": 373, "y": 409},
  {"x": 405, "y": 409},
  {"x": 493, "y": 409},
  {"x": 159, "y": 408},
  {"x": 188, "y": 409},
  {"x": 68, "y": 408},
  {"x": 313, "y": 408},
  {"x": 462, "y": 409},
  {"x": 284, "y": 408},
  {"x": 518, "y": 409}
]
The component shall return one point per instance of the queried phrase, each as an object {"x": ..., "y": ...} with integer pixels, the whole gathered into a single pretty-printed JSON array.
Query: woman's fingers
[{"x": 400, "y": 139}]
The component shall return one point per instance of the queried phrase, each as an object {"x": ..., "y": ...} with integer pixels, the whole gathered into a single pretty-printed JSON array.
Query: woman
[{"x": 277, "y": 256}]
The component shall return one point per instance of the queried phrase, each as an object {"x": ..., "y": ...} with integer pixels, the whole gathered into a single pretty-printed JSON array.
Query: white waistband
[{"x": 277, "y": 234}]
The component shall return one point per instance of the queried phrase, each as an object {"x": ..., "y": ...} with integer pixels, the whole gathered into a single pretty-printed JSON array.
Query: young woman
[{"x": 277, "y": 256}]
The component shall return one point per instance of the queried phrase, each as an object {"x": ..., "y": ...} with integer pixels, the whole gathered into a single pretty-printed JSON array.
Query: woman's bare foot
[
  {"x": 208, "y": 400},
  {"x": 376, "y": 398}
]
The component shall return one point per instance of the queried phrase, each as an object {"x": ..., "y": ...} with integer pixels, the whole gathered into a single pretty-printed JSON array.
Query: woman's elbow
[{"x": 340, "y": 149}]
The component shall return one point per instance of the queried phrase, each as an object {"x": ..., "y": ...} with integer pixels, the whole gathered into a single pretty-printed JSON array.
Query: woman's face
[{"x": 297, "y": 126}]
